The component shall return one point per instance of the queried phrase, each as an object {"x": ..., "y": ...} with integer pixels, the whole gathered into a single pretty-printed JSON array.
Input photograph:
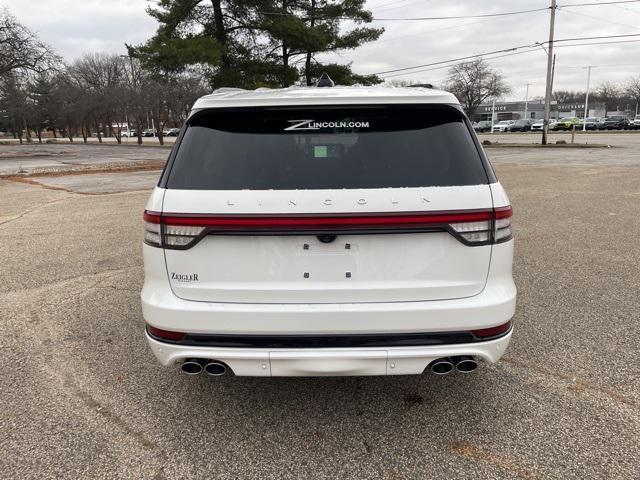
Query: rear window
[{"x": 326, "y": 148}]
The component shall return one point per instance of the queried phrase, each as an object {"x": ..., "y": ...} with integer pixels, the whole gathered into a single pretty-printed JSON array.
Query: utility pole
[
  {"x": 526, "y": 101},
  {"x": 493, "y": 114},
  {"x": 547, "y": 96},
  {"x": 586, "y": 101}
]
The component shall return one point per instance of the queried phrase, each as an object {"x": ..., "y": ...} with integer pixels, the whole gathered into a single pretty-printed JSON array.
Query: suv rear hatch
[{"x": 327, "y": 205}]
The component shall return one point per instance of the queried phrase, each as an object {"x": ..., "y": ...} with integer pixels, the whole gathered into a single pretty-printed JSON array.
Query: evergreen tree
[
  {"x": 254, "y": 43},
  {"x": 45, "y": 103}
]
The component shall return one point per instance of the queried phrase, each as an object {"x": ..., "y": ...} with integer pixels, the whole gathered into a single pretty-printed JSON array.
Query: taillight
[
  {"x": 502, "y": 226},
  {"x": 152, "y": 229},
  {"x": 495, "y": 229},
  {"x": 472, "y": 227},
  {"x": 160, "y": 233},
  {"x": 474, "y": 232}
]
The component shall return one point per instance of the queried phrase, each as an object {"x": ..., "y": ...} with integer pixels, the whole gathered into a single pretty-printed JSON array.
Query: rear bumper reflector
[
  {"x": 165, "y": 335},
  {"x": 485, "y": 333}
]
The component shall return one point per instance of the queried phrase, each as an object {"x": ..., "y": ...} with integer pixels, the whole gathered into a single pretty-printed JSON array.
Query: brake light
[{"x": 181, "y": 231}]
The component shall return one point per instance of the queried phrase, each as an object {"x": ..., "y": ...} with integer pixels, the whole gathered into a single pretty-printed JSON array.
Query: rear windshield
[{"x": 326, "y": 148}]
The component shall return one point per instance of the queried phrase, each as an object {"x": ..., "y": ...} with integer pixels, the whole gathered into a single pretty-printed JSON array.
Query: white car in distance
[
  {"x": 328, "y": 231},
  {"x": 502, "y": 126},
  {"x": 539, "y": 124}
]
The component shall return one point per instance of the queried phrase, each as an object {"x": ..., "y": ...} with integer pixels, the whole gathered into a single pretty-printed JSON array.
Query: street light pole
[
  {"x": 526, "y": 101},
  {"x": 547, "y": 97},
  {"x": 586, "y": 101}
]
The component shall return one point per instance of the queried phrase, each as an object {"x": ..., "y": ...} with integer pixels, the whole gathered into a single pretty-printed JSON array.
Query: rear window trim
[{"x": 166, "y": 172}]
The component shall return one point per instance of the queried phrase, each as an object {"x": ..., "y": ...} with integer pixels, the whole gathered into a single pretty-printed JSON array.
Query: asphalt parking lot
[{"x": 83, "y": 397}]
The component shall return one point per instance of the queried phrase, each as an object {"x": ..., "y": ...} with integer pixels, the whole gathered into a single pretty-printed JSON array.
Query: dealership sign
[
  {"x": 500, "y": 108},
  {"x": 565, "y": 107}
]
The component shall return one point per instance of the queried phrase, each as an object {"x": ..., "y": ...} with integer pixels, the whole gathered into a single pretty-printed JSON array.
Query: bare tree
[
  {"x": 474, "y": 82},
  {"x": 103, "y": 78},
  {"x": 567, "y": 96},
  {"x": 608, "y": 93},
  {"x": 21, "y": 49},
  {"x": 184, "y": 90},
  {"x": 633, "y": 90}
]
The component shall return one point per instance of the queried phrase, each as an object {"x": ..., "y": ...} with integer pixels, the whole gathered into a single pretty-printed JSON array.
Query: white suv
[
  {"x": 502, "y": 126},
  {"x": 328, "y": 231}
]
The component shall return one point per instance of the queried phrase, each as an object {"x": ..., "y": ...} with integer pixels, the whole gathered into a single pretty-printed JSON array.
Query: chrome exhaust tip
[
  {"x": 192, "y": 366},
  {"x": 465, "y": 364},
  {"x": 441, "y": 366},
  {"x": 215, "y": 369}
]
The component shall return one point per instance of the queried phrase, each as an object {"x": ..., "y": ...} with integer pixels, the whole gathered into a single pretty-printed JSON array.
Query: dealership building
[{"x": 534, "y": 110}]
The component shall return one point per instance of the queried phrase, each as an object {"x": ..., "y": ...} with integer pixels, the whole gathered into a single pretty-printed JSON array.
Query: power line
[
  {"x": 468, "y": 57},
  {"x": 506, "y": 50},
  {"x": 597, "y": 37},
  {"x": 526, "y": 51},
  {"x": 500, "y": 14},
  {"x": 599, "y": 19},
  {"x": 598, "y": 43},
  {"x": 376, "y": 8},
  {"x": 459, "y": 17},
  {"x": 449, "y": 64},
  {"x": 410, "y": 19},
  {"x": 387, "y": 3},
  {"x": 596, "y": 4},
  {"x": 421, "y": 33}
]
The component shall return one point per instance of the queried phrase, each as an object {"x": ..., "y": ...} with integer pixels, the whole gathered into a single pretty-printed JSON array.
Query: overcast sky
[{"x": 75, "y": 27}]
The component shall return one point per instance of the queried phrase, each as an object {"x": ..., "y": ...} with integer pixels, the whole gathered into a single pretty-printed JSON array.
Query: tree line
[
  {"x": 206, "y": 44},
  {"x": 199, "y": 45},
  {"x": 618, "y": 97},
  {"x": 475, "y": 83}
]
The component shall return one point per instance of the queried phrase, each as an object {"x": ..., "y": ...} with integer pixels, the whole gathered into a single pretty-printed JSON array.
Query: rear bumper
[
  {"x": 494, "y": 306},
  {"x": 258, "y": 362}
]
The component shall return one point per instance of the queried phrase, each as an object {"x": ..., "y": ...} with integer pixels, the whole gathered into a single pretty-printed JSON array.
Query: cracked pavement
[{"x": 83, "y": 397}]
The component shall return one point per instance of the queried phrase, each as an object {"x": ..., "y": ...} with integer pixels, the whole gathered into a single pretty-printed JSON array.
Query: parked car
[
  {"x": 129, "y": 133},
  {"x": 149, "y": 132},
  {"x": 566, "y": 123},
  {"x": 538, "y": 124},
  {"x": 172, "y": 132},
  {"x": 261, "y": 259},
  {"x": 616, "y": 122},
  {"x": 502, "y": 126},
  {"x": 635, "y": 123},
  {"x": 589, "y": 123},
  {"x": 483, "y": 126},
  {"x": 523, "y": 125}
]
